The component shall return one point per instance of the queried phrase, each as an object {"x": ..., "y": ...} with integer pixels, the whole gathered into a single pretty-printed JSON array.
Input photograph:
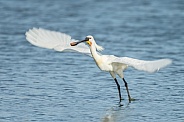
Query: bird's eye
[{"x": 87, "y": 38}]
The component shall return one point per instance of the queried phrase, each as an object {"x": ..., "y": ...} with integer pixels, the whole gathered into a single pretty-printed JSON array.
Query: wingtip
[{"x": 168, "y": 61}]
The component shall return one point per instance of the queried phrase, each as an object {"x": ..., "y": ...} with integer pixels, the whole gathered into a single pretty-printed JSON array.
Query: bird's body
[
  {"x": 110, "y": 63},
  {"x": 105, "y": 62}
]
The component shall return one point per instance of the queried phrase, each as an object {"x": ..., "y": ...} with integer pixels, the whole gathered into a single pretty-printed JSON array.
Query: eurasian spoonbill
[{"x": 110, "y": 63}]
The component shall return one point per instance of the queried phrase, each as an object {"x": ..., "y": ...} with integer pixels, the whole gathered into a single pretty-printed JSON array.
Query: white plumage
[
  {"x": 54, "y": 40},
  {"x": 115, "y": 65}
]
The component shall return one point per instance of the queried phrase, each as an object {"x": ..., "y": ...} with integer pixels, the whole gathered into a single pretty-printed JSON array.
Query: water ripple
[{"x": 43, "y": 85}]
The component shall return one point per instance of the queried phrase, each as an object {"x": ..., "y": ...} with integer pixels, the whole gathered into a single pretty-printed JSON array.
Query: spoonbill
[{"x": 114, "y": 65}]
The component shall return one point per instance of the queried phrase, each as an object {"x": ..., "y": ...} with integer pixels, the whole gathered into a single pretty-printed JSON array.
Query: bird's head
[{"x": 90, "y": 41}]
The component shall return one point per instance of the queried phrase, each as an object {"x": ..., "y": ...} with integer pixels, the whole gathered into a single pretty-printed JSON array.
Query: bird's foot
[
  {"x": 120, "y": 104},
  {"x": 131, "y": 99},
  {"x": 122, "y": 99}
]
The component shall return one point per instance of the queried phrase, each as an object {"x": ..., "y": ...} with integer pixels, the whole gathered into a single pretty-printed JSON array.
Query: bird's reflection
[{"x": 114, "y": 113}]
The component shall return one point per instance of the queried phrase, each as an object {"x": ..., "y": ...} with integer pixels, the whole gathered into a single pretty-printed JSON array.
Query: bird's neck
[
  {"x": 97, "y": 58},
  {"x": 94, "y": 53}
]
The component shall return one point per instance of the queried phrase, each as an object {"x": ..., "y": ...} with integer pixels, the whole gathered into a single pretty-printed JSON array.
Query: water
[{"x": 43, "y": 85}]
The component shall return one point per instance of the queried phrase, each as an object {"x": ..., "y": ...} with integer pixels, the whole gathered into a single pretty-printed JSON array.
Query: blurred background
[{"x": 43, "y": 85}]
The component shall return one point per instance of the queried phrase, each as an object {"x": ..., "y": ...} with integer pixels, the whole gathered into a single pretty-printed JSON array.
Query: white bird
[{"x": 110, "y": 63}]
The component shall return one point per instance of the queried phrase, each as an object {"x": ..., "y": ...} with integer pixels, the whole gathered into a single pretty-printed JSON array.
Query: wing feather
[
  {"x": 55, "y": 40},
  {"x": 148, "y": 66}
]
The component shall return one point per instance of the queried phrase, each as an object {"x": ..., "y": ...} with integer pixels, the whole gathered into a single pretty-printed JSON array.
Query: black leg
[
  {"x": 126, "y": 85},
  {"x": 118, "y": 86}
]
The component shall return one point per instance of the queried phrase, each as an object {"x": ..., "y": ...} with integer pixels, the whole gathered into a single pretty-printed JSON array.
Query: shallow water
[{"x": 43, "y": 85}]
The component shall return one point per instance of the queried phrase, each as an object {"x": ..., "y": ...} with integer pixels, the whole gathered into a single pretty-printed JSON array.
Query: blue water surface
[{"x": 42, "y": 85}]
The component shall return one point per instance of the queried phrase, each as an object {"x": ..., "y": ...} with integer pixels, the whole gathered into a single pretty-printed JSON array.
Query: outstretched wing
[
  {"x": 148, "y": 66},
  {"x": 55, "y": 40}
]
